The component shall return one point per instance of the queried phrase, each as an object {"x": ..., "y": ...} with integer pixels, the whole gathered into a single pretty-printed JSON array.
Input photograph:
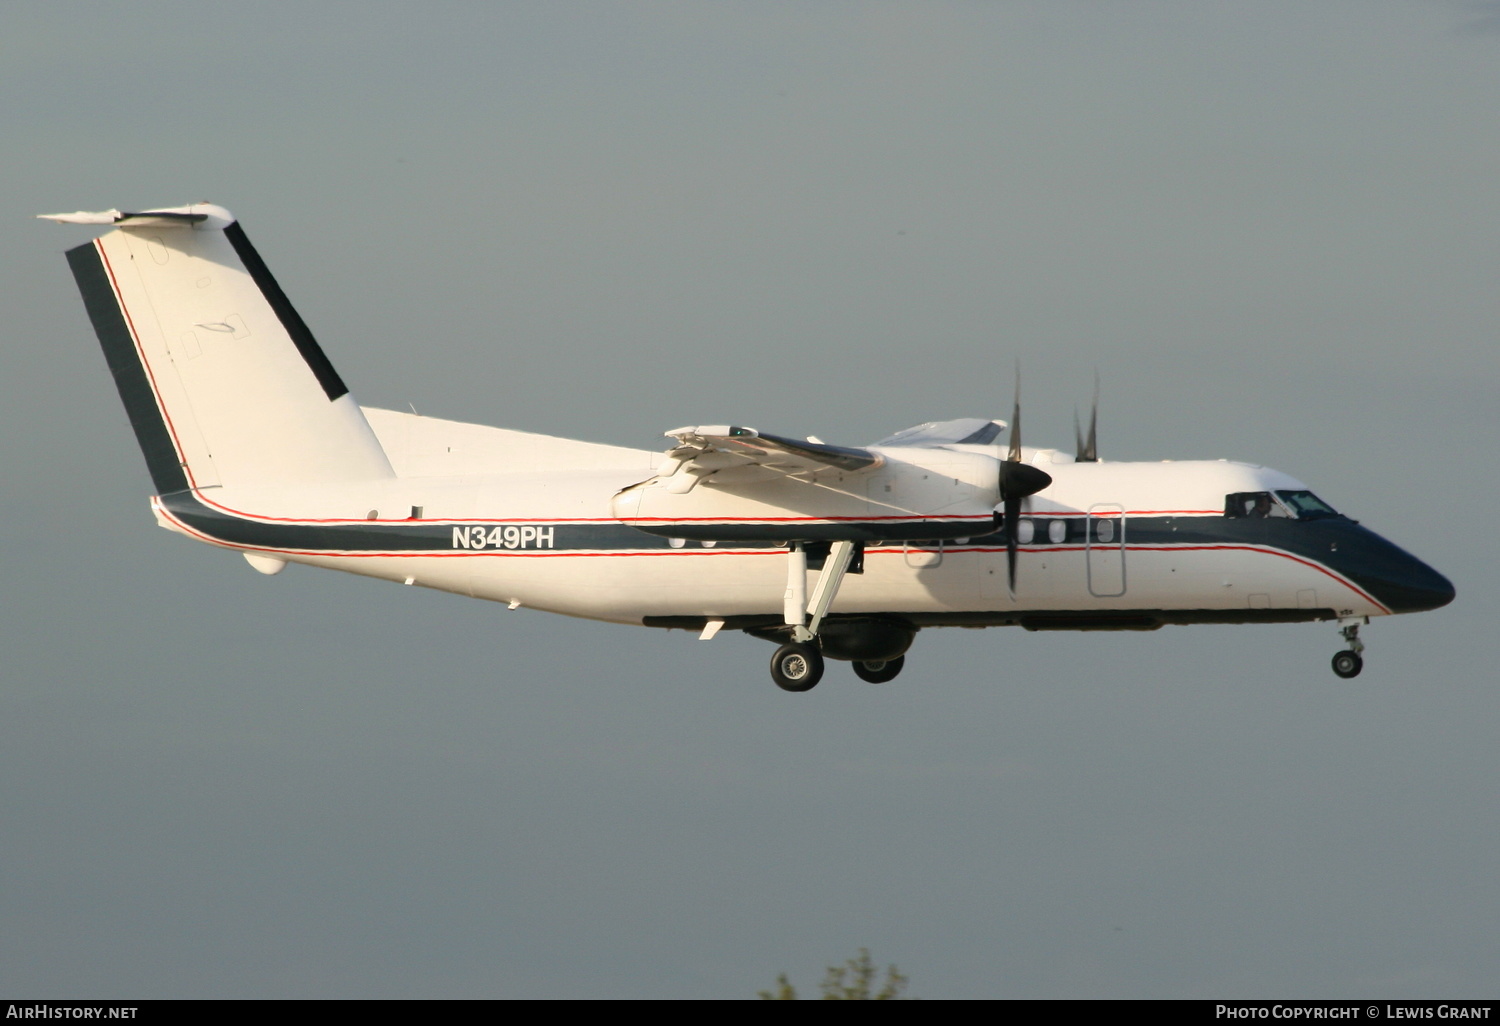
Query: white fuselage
[
  {"x": 253, "y": 442},
  {"x": 1103, "y": 537}
]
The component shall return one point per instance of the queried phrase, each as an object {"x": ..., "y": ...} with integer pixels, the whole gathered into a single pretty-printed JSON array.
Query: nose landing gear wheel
[
  {"x": 878, "y": 671},
  {"x": 797, "y": 667},
  {"x": 1348, "y": 663}
]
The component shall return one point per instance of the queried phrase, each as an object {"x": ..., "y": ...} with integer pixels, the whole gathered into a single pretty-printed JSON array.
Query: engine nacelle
[{"x": 870, "y": 641}]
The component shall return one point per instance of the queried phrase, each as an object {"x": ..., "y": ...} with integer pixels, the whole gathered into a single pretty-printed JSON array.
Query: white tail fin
[{"x": 222, "y": 380}]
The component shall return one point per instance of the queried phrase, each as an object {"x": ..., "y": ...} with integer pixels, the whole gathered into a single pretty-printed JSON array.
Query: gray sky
[{"x": 1272, "y": 228}]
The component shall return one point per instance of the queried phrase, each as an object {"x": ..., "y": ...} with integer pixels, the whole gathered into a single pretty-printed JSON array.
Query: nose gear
[{"x": 1347, "y": 664}]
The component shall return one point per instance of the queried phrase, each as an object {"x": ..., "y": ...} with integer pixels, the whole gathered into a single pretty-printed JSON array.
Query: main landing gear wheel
[
  {"x": 878, "y": 671},
  {"x": 1348, "y": 664},
  {"x": 797, "y": 667}
]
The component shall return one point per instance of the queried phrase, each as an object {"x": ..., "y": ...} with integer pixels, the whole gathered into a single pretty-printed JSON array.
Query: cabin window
[
  {"x": 1104, "y": 530},
  {"x": 1025, "y": 532},
  {"x": 1057, "y": 531}
]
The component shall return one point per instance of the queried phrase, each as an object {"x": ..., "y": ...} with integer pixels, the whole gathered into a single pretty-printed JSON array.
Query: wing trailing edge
[{"x": 710, "y": 451}]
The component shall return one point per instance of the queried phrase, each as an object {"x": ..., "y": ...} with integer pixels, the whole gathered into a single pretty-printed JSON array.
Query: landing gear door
[{"x": 1104, "y": 542}]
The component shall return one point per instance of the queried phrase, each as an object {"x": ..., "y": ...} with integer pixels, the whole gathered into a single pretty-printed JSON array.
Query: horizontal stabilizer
[{"x": 206, "y": 214}]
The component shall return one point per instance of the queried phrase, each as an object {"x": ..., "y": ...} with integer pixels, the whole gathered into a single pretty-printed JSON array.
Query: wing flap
[{"x": 703, "y": 452}]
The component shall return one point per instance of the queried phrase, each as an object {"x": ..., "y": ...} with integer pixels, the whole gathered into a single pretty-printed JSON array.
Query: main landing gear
[
  {"x": 1348, "y": 663},
  {"x": 798, "y": 665}
]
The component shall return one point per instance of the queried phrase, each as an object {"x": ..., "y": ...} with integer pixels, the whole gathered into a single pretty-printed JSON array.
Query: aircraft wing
[{"x": 732, "y": 454}]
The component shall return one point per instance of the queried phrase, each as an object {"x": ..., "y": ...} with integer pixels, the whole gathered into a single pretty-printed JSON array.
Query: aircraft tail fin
[{"x": 222, "y": 380}]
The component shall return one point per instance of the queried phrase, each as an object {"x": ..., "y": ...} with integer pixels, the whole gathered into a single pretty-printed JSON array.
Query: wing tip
[{"x": 712, "y": 431}]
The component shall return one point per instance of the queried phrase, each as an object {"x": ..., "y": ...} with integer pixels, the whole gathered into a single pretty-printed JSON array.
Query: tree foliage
[{"x": 855, "y": 980}]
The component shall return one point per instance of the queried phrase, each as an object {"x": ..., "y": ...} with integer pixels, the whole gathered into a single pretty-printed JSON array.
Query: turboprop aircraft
[{"x": 254, "y": 444}]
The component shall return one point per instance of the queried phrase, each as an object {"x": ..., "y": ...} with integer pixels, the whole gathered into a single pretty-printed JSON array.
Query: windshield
[
  {"x": 1254, "y": 506},
  {"x": 1306, "y": 505},
  {"x": 1300, "y": 505}
]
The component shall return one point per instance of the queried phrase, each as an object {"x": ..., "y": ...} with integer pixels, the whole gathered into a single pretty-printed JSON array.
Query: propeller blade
[
  {"x": 1012, "y": 522},
  {"x": 1017, "y": 481},
  {"x": 1088, "y": 452},
  {"x": 1014, "y": 456}
]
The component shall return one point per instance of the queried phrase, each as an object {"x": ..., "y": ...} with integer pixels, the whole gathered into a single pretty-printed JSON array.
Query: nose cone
[
  {"x": 1417, "y": 587},
  {"x": 1399, "y": 581}
]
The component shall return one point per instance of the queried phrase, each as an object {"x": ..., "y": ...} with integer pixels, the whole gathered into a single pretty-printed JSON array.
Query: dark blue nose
[
  {"x": 1399, "y": 581},
  {"x": 1416, "y": 587}
]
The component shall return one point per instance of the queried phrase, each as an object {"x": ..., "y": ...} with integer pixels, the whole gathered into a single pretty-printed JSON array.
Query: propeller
[
  {"x": 1088, "y": 452},
  {"x": 1017, "y": 481}
]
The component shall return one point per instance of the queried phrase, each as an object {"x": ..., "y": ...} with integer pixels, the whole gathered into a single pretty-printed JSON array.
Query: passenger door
[{"x": 1104, "y": 542}]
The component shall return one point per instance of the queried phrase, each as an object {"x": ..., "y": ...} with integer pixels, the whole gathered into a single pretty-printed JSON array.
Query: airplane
[{"x": 254, "y": 443}]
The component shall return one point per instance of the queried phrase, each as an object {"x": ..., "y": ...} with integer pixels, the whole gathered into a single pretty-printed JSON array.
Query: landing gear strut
[
  {"x": 805, "y": 614},
  {"x": 799, "y": 666},
  {"x": 1348, "y": 663}
]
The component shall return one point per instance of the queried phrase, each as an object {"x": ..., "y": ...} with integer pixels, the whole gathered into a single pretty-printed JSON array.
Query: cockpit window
[
  {"x": 1254, "y": 506},
  {"x": 1301, "y": 505},
  {"x": 1306, "y": 505}
]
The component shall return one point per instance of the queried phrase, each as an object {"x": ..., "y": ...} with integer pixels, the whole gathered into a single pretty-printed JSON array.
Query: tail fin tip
[
  {"x": 208, "y": 215},
  {"x": 258, "y": 403}
]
